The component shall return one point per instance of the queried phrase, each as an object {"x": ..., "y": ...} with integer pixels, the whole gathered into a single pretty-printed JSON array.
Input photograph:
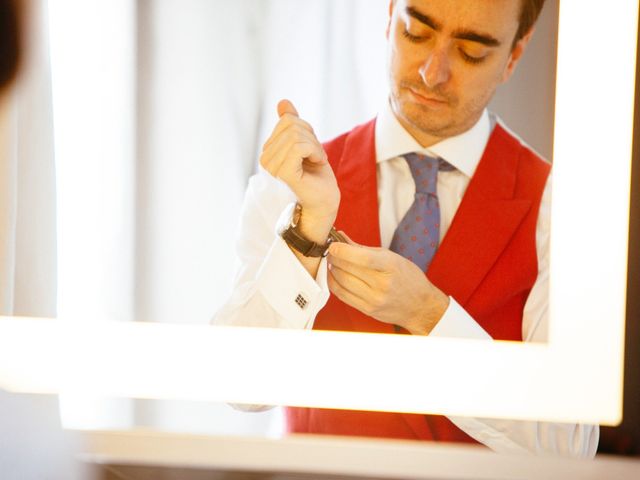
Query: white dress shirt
[{"x": 270, "y": 277}]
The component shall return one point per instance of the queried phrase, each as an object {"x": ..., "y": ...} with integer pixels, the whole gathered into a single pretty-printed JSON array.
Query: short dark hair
[
  {"x": 529, "y": 12},
  {"x": 9, "y": 40}
]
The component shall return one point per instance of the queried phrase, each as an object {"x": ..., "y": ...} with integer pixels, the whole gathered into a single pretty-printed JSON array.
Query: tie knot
[{"x": 424, "y": 170}]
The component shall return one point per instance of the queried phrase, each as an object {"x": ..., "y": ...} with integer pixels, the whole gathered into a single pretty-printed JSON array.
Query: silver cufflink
[{"x": 301, "y": 301}]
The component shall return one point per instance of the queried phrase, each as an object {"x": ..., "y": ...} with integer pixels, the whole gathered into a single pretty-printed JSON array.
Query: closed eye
[
  {"x": 471, "y": 59},
  {"x": 412, "y": 38}
]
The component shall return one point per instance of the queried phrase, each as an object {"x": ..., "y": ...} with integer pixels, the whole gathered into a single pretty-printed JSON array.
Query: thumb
[
  {"x": 285, "y": 106},
  {"x": 347, "y": 239}
]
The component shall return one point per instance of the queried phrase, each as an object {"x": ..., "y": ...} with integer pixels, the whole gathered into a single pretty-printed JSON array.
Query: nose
[{"x": 435, "y": 70}]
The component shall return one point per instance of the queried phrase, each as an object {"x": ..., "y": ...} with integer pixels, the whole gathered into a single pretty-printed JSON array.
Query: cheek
[
  {"x": 403, "y": 60},
  {"x": 395, "y": 57},
  {"x": 398, "y": 69},
  {"x": 405, "y": 65},
  {"x": 478, "y": 78}
]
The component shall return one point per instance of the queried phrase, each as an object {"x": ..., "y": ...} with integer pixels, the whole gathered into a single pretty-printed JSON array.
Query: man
[{"x": 434, "y": 185}]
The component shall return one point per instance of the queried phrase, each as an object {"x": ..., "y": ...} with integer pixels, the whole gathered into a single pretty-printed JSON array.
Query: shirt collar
[{"x": 463, "y": 151}]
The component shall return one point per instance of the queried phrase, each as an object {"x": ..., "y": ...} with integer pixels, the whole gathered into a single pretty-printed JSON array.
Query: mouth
[{"x": 427, "y": 99}]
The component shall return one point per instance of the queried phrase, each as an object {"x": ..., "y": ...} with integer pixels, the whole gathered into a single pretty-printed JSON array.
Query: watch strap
[{"x": 306, "y": 247}]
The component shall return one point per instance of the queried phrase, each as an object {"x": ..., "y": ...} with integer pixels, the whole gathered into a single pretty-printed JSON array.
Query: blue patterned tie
[{"x": 418, "y": 234}]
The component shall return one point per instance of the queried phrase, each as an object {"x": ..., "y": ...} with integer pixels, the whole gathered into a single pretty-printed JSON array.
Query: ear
[
  {"x": 516, "y": 55},
  {"x": 391, "y": 5}
]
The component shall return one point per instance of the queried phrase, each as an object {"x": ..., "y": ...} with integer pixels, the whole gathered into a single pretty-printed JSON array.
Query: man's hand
[
  {"x": 385, "y": 286},
  {"x": 293, "y": 154}
]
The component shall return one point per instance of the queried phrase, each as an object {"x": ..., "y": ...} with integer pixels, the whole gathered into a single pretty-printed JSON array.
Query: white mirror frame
[{"x": 576, "y": 377}]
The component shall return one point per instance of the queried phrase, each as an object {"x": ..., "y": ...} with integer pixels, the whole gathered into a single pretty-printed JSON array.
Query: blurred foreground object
[
  {"x": 10, "y": 15},
  {"x": 33, "y": 445}
]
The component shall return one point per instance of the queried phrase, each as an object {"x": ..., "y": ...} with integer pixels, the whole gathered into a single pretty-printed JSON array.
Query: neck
[{"x": 426, "y": 138}]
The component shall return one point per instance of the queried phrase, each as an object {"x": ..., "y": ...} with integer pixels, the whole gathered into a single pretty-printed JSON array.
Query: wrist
[
  {"x": 428, "y": 317},
  {"x": 315, "y": 226},
  {"x": 309, "y": 237}
]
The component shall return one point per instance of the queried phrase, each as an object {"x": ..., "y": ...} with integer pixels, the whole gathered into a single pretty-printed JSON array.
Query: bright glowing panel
[{"x": 577, "y": 377}]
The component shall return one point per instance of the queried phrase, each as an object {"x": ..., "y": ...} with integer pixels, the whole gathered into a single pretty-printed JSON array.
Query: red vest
[{"x": 487, "y": 261}]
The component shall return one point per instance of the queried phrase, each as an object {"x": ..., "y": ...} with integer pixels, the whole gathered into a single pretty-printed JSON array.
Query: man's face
[{"x": 446, "y": 58}]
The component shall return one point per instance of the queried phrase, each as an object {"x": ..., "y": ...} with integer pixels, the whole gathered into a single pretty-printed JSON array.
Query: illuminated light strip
[
  {"x": 591, "y": 191},
  {"x": 274, "y": 367},
  {"x": 577, "y": 377}
]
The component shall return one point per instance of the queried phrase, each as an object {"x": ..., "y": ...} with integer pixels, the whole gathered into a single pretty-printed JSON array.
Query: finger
[
  {"x": 273, "y": 155},
  {"x": 278, "y": 156},
  {"x": 346, "y": 296},
  {"x": 288, "y": 164},
  {"x": 364, "y": 274},
  {"x": 287, "y": 161},
  {"x": 279, "y": 150},
  {"x": 353, "y": 280},
  {"x": 291, "y": 166},
  {"x": 288, "y": 121},
  {"x": 368, "y": 257},
  {"x": 276, "y": 144},
  {"x": 347, "y": 238},
  {"x": 288, "y": 135},
  {"x": 286, "y": 106}
]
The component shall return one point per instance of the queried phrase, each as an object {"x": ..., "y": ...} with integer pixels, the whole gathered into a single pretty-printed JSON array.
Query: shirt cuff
[
  {"x": 289, "y": 289},
  {"x": 456, "y": 322}
]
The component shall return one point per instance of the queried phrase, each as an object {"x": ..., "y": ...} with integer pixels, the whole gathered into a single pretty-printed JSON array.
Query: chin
[{"x": 425, "y": 120}]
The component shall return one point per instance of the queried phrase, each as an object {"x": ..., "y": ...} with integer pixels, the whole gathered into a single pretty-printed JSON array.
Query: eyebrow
[{"x": 464, "y": 34}]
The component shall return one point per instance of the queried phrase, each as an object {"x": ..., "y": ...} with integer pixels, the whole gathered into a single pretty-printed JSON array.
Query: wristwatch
[{"x": 292, "y": 236}]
